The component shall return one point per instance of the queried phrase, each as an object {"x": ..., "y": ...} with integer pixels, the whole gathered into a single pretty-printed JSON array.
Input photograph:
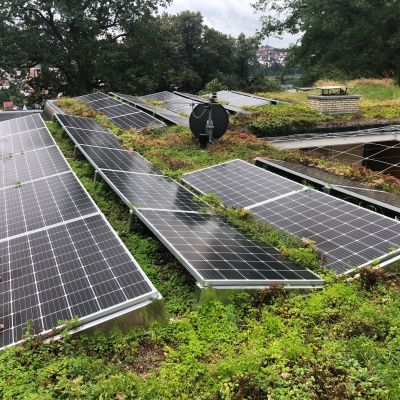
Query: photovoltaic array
[
  {"x": 239, "y": 99},
  {"x": 59, "y": 257},
  {"x": 212, "y": 250},
  {"x": 122, "y": 115},
  {"x": 349, "y": 236}
]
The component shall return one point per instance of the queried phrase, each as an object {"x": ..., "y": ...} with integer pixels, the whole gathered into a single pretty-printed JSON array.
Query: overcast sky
[{"x": 231, "y": 17}]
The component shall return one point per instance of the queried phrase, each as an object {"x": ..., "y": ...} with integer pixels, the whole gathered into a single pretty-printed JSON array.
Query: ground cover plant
[{"x": 341, "y": 342}]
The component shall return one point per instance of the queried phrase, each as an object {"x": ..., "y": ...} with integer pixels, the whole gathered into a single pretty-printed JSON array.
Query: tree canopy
[
  {"x": 195, "y": 54},
  {"x": 79, "y": 42},
  {"x": 343, "y": 38},
  {"x": 119, "y": 45}
]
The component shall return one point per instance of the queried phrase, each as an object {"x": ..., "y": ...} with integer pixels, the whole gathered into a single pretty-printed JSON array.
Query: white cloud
[{"x": 231, "y": 17}]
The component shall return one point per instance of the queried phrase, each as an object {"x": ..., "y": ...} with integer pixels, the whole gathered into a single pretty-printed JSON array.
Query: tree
[
  {"x": 195, "y": 54},
  {"x": 81, "y": 39},
  {"x": 342, "y": 38}
]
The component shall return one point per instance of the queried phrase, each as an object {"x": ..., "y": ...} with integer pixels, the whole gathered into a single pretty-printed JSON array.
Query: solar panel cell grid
[
  {"x": 239, "y": 183},
  {"x": 61, "y": 272},
  {"x": 93, "y": 138},
  {"x": 104, "y": 103},
  {"x": 122, "y": 115},
  {"x": 120, "y": 160},
  {"x": 32, "y": 165},
  {"x": 239, "y": 100},
  {"x": 42, "y": 203},
  {"x": 137, "y": 121},
  {"x": 25, "y": 141},
  {"x": 167, "y": 115},
  {"x": 19, "y": 125},
  {"x": 119, "y": 110},
  {"x": 151, "y": 191},
  {"x": 81, "y": 123},
  {"x": 173, "y": 102},
  {"x": 93, "y": 97},
  {"x": 216, "y": 251},
  {"x": 349, "y": 236}
]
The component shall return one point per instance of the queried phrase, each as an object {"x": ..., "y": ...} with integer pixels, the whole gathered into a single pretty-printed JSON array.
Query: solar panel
[
  {"x": 118, "y": 110},
  {"x": 104, "y": 102},
  {"x": 19, "y": 125},
  {"x": 137, "y": 121},
  {"x": 81, "y": 123},
  {"x": 217, "y": 254},
  {"x": 151, "y": 191},
  {"x": 32, "y": 165},
  {"x": 41, "y": 203},
  {"x": 122, "y": 115},
  {"x": 93, "y": 97},
  {"x": 167, "y": 115},
  {"x": 88, "y": 132},
  {"x": 79, "y": 268},
  {"x": 379, "y": 198},
  {"x": 238, "y": 183},
  {"x": 173, "y": 102},
  {"x": 25, "y": 141},
  {"x": 119, "y": 160},
  {"x": 349, "y": 235},
  {"x": 240, "y": 100}
]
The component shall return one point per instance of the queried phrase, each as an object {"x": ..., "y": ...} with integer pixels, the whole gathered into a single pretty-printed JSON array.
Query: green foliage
[
  {"x": 78, "y": 44},
  {"x": 214, "y": 86},
  {"x": 354, "y": 38},
  {"x": 194, "y": 54},
  {"x": 278, "y": 346}
]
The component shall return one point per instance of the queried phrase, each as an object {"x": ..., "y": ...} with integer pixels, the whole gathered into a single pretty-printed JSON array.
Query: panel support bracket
[{"x": 131, "y": 221}]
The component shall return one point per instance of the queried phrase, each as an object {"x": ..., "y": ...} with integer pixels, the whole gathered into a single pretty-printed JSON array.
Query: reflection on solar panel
[
  {"x": 240, "y": 100},
  {"x": 32, "y": 165},
  {"x": 173, "y": 102},
  {"x": 59, "y": 256},
  {"x": 86, "y": 131},
  {"x": 122, "y": 115},
  {"x": 349, "y": 235},
  {"x": 218, "y": 255},
  {"x": 167, "y": 115},
  {"x": 379, "y": 198},
  {"x": 119, "y": 160},
  {"x": 79, "y": 268},
  {"x": 239, "y": 183},
  {"x": 151, "y": 191}
]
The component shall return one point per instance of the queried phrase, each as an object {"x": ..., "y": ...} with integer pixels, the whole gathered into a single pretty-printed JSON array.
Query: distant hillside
[{"x": 267, "y": 55}]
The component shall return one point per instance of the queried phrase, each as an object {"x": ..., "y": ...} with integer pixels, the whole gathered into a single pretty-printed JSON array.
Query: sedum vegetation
[{"x": 338, "y": 343}]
